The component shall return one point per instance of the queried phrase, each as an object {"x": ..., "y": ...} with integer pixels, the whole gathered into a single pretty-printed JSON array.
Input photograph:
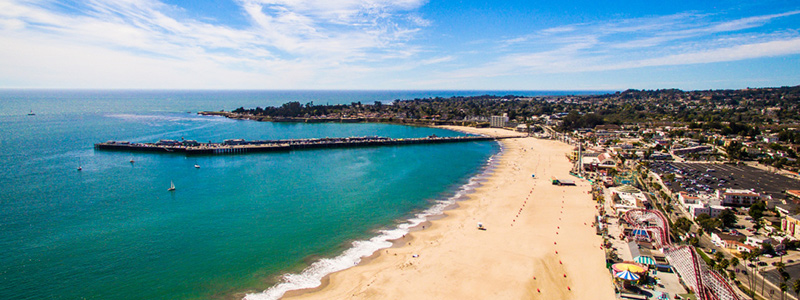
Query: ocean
[{"x": 257, "y": 224}]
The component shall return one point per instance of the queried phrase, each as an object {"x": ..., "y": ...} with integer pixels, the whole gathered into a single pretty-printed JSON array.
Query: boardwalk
[{"x": 242, "y": 146}]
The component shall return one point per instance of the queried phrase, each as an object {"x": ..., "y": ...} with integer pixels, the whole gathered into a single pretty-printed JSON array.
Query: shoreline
[
  {"x": 451, "y": 250},
  {"x": 415, "y": 222}
]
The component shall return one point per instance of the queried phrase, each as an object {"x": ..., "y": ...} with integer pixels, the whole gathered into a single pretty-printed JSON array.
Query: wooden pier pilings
[{"x": 243, "y": 147}]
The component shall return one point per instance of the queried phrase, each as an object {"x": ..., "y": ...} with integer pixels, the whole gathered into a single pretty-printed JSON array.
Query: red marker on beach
[
  {"x": 538, "y": 291},
  {"x": 568, "y": 288}
]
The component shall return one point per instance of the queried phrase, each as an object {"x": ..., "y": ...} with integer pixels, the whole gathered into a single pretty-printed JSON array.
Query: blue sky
[{"x": 399, "y": 44}]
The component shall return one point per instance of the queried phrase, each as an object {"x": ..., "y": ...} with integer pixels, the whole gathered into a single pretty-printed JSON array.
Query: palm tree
[
  {"x": 796, "y": 287},
  {"x": 781, "y": 268},
  {"x": 783, "y": 286}
]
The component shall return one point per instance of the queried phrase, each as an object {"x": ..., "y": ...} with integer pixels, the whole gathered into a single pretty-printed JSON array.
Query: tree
[
  {"x": 757, "y": 210},
  {"x": 735, "y": 262},
  {"x": 707, "y": 223},
  {"x": 767, "y": 248},
  {"x": 796, "y": 287},
  {"x": 727, "y": 218},
  {"x": 734, "y": 150},
  {"x": 683, "y": 224}
]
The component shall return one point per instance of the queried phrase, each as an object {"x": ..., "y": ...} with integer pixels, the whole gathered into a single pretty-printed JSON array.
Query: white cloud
[
  {"x": 681, "y": 39},
  {"x": 291, "y": 43}
]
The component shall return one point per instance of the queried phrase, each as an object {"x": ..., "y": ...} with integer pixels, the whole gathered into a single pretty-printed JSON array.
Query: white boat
[
  {"x": 132, "y": 161},
  {"x": 171, "y": 186},
  {"x": 196, "y": 166},
  {"x": 79, "y": 164}
]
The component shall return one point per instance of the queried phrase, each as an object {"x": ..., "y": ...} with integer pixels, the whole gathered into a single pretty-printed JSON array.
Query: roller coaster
[{"x": 705, "y": 283}]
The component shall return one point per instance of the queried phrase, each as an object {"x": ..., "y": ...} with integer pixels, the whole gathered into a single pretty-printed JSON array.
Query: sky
[{"x": 399, "y": 44}]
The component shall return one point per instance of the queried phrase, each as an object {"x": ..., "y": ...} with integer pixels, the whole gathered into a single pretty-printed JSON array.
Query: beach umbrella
[
  {"x": 646, "y": 260},
  {"x": 627, "y": 275}
]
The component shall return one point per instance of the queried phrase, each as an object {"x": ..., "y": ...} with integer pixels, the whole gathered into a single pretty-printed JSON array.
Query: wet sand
[{"x": 538, "y": 242}]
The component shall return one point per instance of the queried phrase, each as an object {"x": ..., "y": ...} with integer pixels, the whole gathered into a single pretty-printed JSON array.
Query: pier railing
[{"x": 243, "y": 146}]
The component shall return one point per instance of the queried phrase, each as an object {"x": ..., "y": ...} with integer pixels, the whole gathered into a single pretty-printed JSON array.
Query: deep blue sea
[{"x": 238, "y": 224}]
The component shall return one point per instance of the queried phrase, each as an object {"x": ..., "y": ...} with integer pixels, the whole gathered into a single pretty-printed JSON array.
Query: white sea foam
[{"x": 312, "y": 276}]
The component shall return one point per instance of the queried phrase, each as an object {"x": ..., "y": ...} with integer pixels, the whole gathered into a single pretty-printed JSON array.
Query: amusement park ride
[{"x": 706, "y": 284}]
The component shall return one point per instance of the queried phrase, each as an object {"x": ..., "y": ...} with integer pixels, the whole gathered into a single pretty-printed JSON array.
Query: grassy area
[
  {"x": 747, "y": 291},
  {"x": 703, "y": 255}
]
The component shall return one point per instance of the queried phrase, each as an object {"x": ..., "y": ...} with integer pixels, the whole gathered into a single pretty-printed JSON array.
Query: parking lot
[{"x": 705, "y": 177}]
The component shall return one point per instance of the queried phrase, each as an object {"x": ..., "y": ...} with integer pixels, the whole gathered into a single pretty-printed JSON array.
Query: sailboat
[
  {"x": 31, "y": 113},
  {"x": 171, "y": 186}
]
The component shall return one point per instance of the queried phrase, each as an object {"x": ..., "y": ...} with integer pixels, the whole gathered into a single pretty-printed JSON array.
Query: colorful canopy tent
[
  {"x": 627, "y": 266},
  {"x": 645, "y": 260},
  {"x": 627, "y": 275}
]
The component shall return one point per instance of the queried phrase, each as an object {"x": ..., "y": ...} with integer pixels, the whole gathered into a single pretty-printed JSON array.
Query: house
[
  {"x": 686, "y": 198},
  {"x": 746, "y": 248},
  {"x": 724, "y": 240},
  {"x": 757, "y": 240}
]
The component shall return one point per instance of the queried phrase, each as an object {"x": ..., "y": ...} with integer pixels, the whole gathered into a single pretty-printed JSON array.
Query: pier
[{"x": 239, "y": 146}]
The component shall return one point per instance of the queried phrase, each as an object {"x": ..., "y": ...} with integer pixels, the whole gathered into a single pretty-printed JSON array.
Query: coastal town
[{"x": 697, "y": 193}]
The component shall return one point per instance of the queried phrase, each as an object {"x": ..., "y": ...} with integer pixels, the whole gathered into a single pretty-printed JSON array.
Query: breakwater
[{"x": 239, "y": 146}]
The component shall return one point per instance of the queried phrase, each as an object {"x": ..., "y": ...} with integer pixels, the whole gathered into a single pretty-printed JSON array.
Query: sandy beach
[{"x": 538, "y": 242}]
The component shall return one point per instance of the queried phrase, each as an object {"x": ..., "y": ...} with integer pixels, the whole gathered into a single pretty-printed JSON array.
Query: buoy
[
  {"x": 556, "y": 251},
  {"x": 538, "y": 291},
  {"x": 560, "y": 263},
  {"x": 554, "y": 243},
  {"x": 565, "y": 275},
  {"x": 558, "y": 227},
  {"x": 556, "y": 232},
  {"x": 534, "y": 277},
  {"x": 568, "y": 288}
]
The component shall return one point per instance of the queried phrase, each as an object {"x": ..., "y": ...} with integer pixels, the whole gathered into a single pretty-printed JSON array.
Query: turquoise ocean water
[{"x": 238, "y": 224}]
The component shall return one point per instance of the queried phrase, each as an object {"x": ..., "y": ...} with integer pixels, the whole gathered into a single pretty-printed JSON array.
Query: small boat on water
[
  {"x": 171, "y": 186},
  {"x": 31, "y": 113},
  {"x": 196, "y": 166},
  {"x": 132, "y": 161},
  {"x": 79, "y": 164}
]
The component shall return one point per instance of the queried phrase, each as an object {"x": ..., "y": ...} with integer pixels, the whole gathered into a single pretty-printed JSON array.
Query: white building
[
  {"x": 731, "y": 197},
  {"x": 499, "y": 121},
  {"x": 713, "y": 211},
  {"x": 697, "y": 204},
  {"x": 757, "y": 240}
]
